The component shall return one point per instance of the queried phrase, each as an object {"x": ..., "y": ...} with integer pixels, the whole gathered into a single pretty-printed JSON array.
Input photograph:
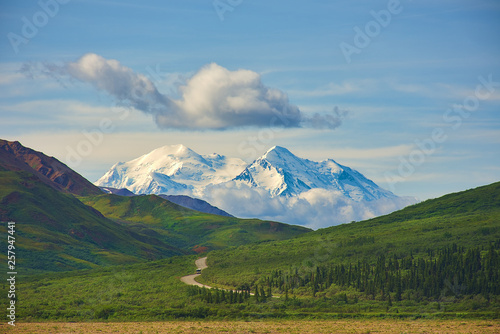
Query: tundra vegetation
[{"x": 439, "y": 259}]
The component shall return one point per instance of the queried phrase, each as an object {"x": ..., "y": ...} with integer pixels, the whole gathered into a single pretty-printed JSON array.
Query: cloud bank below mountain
[{"x": 316, "y": 208}]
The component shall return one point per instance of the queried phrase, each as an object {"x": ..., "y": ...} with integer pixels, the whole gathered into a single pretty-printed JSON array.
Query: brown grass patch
[
  {"x": 268, "y": 327},
  {"x": 200, "y": 249}
]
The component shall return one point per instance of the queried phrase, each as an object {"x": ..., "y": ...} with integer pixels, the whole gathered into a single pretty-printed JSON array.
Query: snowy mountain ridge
[
  {"x": 282, "y": 173},
  {"x": 176, "y": 169},
  {"x": 173, "y": 170}
]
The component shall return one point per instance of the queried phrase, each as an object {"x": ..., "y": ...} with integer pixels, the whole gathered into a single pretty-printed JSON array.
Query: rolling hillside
[
  {"x": 55, "y": 231},
  {"x": 187, "y": 229},
  {"x": 468, "y": 219}
]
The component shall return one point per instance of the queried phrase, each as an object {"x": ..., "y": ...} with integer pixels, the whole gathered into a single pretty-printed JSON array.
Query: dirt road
[
  {"x": 190, "y": 279},
  {"x": 202, "y": 264}
]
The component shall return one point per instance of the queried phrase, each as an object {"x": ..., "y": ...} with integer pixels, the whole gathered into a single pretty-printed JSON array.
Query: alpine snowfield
[
  {"x": 277, "y": 186},
  {"x": 172, "y": 170},
  {"x": 284, "y": 174}
]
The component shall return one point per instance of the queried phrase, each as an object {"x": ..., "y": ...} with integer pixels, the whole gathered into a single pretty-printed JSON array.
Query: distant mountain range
[
  {"x": 176, "y": 169},
  {"x": 182, "y": 200},
  {"x": 195, "y": 204},
  {"x": 276, "y": 183}
]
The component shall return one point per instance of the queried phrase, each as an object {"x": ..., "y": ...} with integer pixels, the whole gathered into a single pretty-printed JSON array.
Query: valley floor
[{"x": 288, "y": 326}]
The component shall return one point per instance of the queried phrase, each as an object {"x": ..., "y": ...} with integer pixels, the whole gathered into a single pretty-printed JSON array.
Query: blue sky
[{"x": 406, "y": 83}]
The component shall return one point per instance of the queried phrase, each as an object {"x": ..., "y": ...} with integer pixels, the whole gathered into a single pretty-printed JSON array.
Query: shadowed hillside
[{"x": 185, "y": 228}]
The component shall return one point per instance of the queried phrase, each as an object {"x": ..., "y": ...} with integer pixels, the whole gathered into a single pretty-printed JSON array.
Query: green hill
[
  {"x": 55, "y": 231},
  {"x": 187, "y": 229},
  {"x": 468, "y": 219}
]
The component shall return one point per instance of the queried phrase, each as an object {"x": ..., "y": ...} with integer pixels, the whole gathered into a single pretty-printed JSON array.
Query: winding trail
[
  {"x": 202, "y": 264},
  {"x": 190, "y": 279}
]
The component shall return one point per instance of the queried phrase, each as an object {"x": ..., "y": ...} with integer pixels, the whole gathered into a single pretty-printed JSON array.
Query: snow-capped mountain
[
  {"x": 281, "y": 173},
  {"x": 277, "y": 186},
  {"x": 173, "y": 169}
]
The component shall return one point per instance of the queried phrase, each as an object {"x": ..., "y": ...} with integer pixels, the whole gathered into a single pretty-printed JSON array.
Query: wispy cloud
[
  {"x": 332, "y": 89},
  {"x": 8, "y": 79},
  {"x": 372, "y": 153},
  {"x": 373, "y": 86},
  {"x": 65, "y": 115}
]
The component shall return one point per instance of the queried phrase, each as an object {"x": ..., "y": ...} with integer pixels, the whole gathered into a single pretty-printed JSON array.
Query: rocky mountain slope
[{"x": 49, "y": 170}]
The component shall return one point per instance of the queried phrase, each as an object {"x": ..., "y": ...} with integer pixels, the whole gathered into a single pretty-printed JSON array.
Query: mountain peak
[
  {"x": 178, "y": 150},
  {"x": 282, "y": 173},
  {"x": 161, "y": 155},
  {"x": 278, "y": 154},
  {"x": 182, "y": 149},
  {"x": 278, "y": 149},
  {"x": 173, "y": 170},
  {"x": 178, "y": 170}
]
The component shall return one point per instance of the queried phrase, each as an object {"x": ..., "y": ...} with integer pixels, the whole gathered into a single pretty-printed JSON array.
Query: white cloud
[
  {"x": 15, "y": 84},
  {"x": 213, "y": 98},
  {"x": 218, "y": 98},
  {"x": 63, "y": 115},
  {"x": 316, "y": 208},
  {"x": 377, "y": 86}
]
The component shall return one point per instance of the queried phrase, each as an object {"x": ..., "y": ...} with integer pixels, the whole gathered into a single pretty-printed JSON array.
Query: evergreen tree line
[
  {"x": 451, "y": 271},
  {"x": 218, "y": 296}
]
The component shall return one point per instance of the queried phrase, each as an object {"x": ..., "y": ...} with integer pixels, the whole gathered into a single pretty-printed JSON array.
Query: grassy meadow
[{"x": 260, "y": 327}]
